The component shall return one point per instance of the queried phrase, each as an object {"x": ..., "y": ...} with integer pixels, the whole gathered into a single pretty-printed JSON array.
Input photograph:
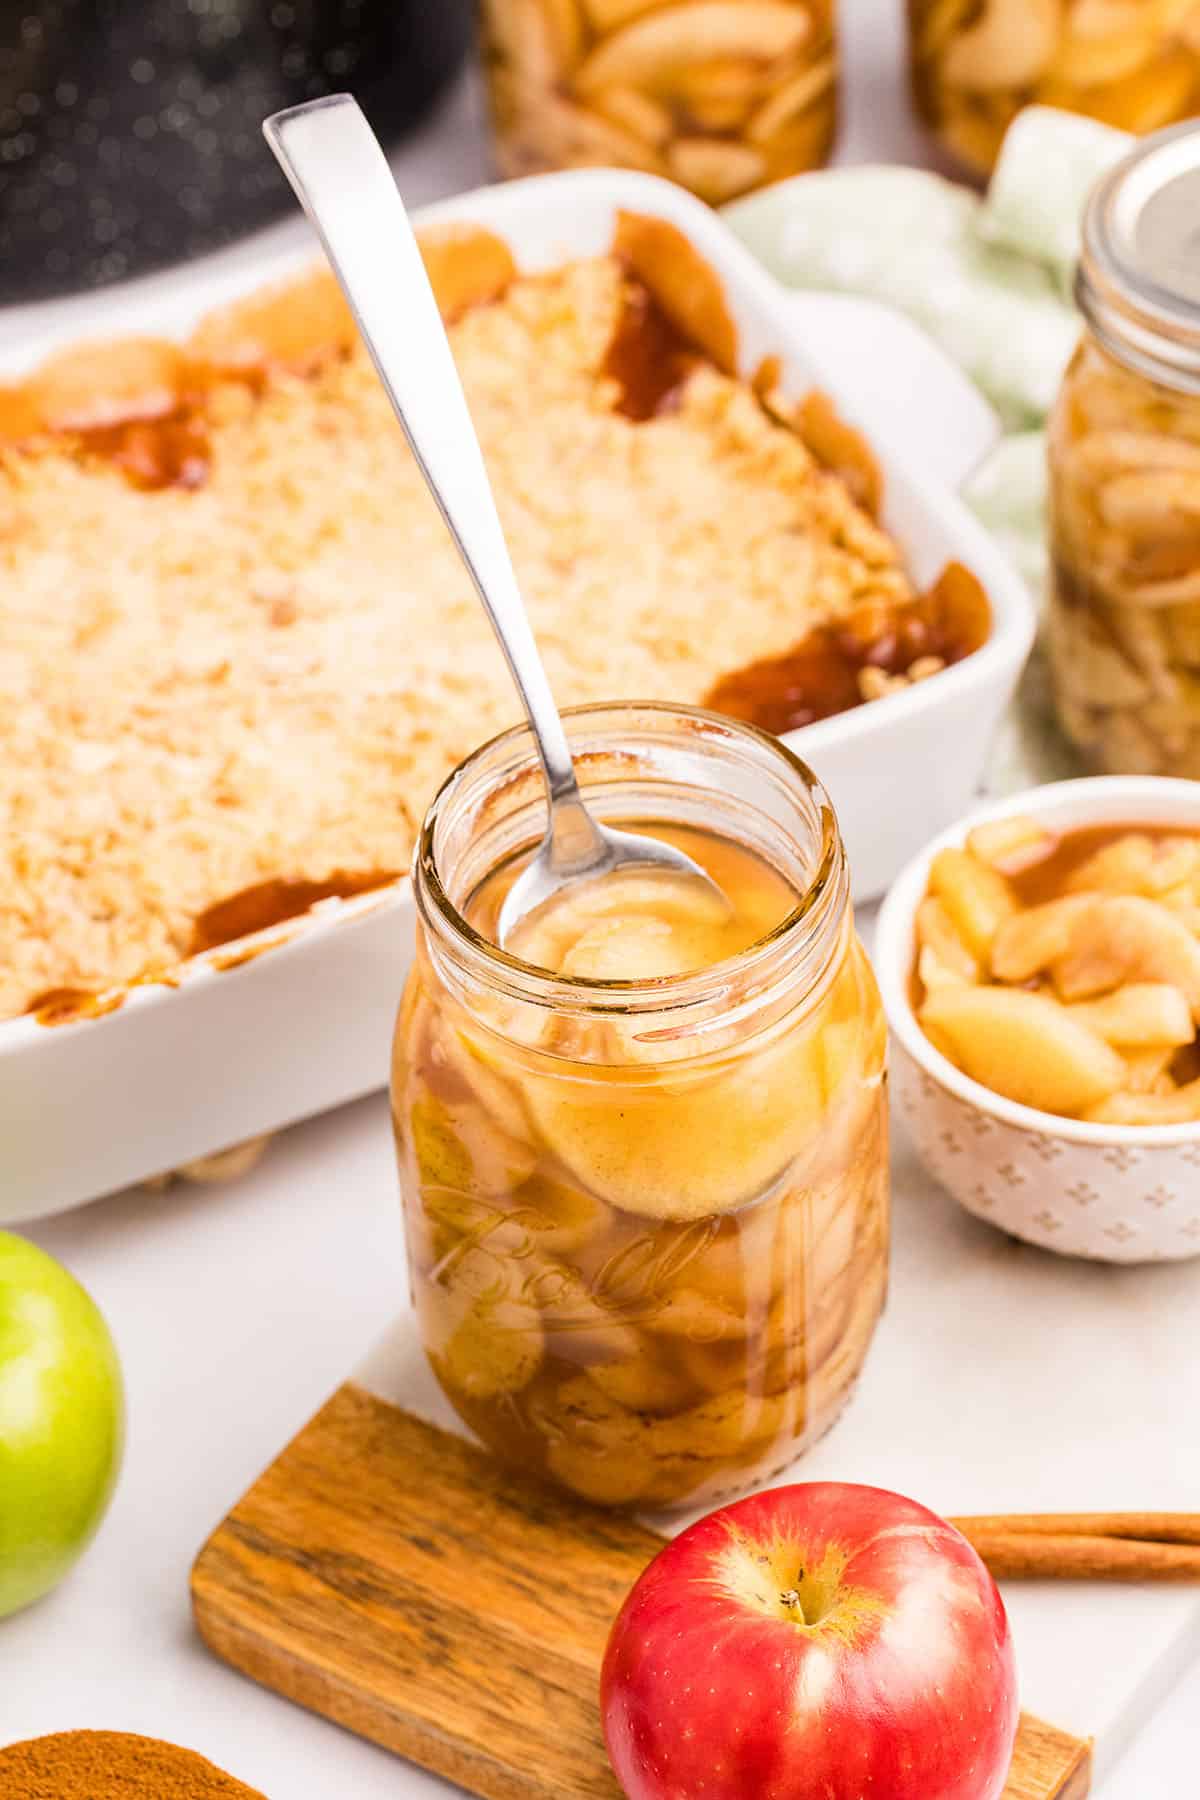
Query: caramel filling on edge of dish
[
  {"x": 242, "y": 915},
  {"x": 274, "y": 902},
  {"x": 142, "y": 405},
  {"x": 872, "y": 652}
]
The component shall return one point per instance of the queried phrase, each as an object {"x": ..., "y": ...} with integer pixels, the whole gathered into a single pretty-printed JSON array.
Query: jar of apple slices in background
[
  {"x": 1134, "y": 64},
  {"x": 645, "y": 1183},
  {"x": 1124, "y": 617},
  {"x": 721, "y": 95}
]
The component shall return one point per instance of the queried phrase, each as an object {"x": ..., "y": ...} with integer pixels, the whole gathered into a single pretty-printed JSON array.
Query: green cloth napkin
[{"x": 988, "y": 278}]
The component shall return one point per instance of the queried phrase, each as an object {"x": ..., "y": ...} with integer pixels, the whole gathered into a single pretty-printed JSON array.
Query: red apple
[{"x": 817, "y": 1642}]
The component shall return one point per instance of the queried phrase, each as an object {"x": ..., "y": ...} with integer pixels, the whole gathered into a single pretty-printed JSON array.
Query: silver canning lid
[{"x": 1138, "y": 283}]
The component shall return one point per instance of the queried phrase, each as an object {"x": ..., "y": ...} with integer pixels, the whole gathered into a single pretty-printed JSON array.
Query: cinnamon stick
[
  {"x": 1046, "y": 1556},
  {"x": 1150, "y": 1527}
]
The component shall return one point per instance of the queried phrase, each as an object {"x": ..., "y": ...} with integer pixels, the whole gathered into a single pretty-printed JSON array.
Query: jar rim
[
  {"x": 1122, "y": 284},
  {"x": 799, "y": 935}
]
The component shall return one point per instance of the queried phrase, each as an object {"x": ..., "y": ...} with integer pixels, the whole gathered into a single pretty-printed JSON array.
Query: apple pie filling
[
  {"x": 1063, "y": 971},
  {"x": 647, "y": 1212}
]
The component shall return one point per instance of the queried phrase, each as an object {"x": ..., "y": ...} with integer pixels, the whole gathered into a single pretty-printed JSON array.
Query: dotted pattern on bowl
[{"x": 1108, "y": 1202}]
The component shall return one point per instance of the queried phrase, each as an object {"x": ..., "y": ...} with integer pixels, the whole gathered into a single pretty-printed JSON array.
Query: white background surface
[{"x": 238, "y": 1309}]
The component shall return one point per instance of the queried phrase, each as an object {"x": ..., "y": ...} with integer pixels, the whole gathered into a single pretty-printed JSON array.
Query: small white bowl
[{"x": 1115, "y": 1193}]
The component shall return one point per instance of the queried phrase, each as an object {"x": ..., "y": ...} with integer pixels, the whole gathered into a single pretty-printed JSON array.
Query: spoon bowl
[
  {"x": 338, "y": 170},
  {"x": 552, "y": 870}
]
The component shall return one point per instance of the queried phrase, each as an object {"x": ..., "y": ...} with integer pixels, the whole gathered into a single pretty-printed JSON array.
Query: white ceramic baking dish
[{"x": 177, "y": 1072}]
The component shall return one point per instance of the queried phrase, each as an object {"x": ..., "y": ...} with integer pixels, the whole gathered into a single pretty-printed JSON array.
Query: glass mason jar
[
  {"x": 1124, "y": 617},
  {"x": 1132, "y": 63},
  {"x": 647, "y": 1221},
  {"x": 721, "y": 95}
]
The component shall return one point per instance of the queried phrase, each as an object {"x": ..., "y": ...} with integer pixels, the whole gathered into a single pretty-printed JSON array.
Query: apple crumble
[{"x": 239, "y": 650}]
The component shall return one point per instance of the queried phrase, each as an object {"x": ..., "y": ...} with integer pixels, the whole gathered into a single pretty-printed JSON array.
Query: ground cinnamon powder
[{"x": 111, "y": 1765}]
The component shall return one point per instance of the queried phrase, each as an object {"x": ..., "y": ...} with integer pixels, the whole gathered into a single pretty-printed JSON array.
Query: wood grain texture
[{"x": 395, "y": 1579}]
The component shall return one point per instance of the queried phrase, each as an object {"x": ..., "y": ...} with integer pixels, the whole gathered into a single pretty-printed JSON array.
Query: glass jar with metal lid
[
  {"x": 1134, "y": 64},
  {"x": 720, "y": 95},
  {"x": 645, "y": 1185},
  {"x": 1124, "y": 452}
]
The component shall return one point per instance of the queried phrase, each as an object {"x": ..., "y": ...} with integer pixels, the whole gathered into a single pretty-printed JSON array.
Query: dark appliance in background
[{"x": 130, "y": 129}]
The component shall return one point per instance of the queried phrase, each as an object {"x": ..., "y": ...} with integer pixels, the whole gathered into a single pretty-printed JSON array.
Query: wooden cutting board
[{"x": 394, "y": 1578}]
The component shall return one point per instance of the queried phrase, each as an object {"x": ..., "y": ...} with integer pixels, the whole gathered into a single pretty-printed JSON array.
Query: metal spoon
[{"x": 337, "y": 167}]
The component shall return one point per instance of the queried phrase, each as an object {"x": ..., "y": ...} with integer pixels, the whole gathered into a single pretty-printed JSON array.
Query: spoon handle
[{"x": 337, "y": 167}]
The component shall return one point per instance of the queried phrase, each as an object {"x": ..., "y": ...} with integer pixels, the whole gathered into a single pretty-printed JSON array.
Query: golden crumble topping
[{"x": 267, "y": 673}]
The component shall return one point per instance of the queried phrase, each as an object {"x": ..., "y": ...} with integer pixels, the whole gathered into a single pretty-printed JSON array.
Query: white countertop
[{"x": 237, "y": 1310}]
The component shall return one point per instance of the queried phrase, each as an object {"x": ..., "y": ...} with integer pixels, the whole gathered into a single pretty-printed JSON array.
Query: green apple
[{"x": 61, "y": 1421}]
